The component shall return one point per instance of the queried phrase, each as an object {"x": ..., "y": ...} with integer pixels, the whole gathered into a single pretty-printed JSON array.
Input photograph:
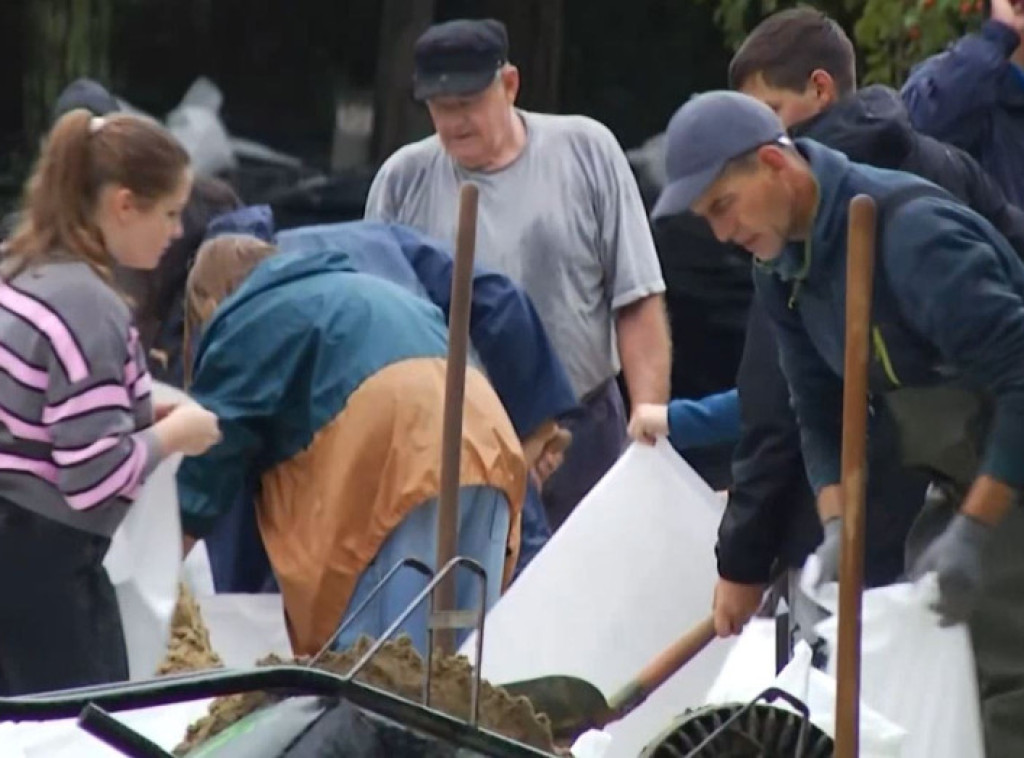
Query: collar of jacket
[{"x": 796, "y": 262}]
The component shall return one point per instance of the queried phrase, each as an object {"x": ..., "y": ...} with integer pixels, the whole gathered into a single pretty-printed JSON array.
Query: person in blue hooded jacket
[
  {"x": 947, "y": 362},
  {"x": 972, "y": 96},
  {"x": 330, "y": 386},
  {"x": 505, "y": 333}
]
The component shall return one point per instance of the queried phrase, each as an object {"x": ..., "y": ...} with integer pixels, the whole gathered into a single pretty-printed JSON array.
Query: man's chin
[
  {"x": 467, "y": 156},
  {"x": 765, "y": 253}
]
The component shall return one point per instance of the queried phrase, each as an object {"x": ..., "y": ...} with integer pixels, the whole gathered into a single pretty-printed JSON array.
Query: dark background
[{"x": 282, "y": 65}]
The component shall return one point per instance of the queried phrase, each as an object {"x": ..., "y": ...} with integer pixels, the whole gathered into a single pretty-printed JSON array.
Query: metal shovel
[{"x": 575, "y": 705}]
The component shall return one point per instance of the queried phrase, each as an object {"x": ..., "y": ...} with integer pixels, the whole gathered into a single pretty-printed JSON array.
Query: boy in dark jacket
[
  {"x": 972, "y": 96},
  {"x": 948, "y": 353}
]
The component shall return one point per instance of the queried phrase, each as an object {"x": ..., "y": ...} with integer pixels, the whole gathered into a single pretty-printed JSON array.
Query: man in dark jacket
[
  {"x": 800, "y": 63},
  {"x": 948, "y": 353},
  {"x": 972, "y": 96}
]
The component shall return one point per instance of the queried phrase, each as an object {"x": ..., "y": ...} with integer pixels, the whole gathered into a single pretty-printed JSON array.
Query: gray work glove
[
  {"x": 956, "y": 557},
  {"x": 828, "y": 551}
]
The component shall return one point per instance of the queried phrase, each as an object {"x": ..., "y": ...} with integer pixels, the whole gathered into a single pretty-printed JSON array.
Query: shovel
[
  {"x": 575, "y": 705},
  {"x": 860, "y": 260}
]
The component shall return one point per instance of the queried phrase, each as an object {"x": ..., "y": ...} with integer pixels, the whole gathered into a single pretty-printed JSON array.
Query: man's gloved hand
[
  {"x": 828, "y": 551},
  {"x": 956, "y": 557}
]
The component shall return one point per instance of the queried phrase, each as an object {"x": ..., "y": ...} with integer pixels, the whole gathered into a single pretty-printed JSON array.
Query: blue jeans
[
  {"x": 483, "y": 534},
  {"x": 534, "y": 531}
]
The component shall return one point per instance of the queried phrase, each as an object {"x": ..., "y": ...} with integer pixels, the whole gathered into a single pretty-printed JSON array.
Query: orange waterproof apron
[{"x": 324, "y": 514}]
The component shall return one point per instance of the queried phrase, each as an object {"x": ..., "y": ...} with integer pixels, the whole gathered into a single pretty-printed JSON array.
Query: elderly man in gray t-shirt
[{"x": 560, "y": 213}]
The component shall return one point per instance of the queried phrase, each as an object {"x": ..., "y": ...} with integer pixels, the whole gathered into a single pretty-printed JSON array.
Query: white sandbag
[
  {"x": 631, "y": 570},
  {"x": 913, "y": 671},
  {"x": 196, "y": 571},
  {"x": 245, "y": 628},
  {"x": 750, "y": 670},
  {"x": 592, "y": 744},
  {"x": 144, "y": 561}
]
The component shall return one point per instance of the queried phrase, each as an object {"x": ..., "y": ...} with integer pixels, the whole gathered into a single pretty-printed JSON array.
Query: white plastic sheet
[
  {"x": 164, "y": 725},
  {"x": 631, "y": 570},
  {"x": 144, "y": 561},
  {"x": 197, "y": 125}
]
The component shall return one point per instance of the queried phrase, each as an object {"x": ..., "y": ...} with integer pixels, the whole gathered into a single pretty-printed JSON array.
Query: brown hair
[
  {"x": 787, "y": 47},
  {"x": 221, "y": 265},
  {"x": 83, "y": 154}
]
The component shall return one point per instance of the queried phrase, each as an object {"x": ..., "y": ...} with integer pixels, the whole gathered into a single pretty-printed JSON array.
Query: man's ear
[
  {"x": 823, "y": 86},
  {"x": 510, "y": 82},
  {"x": 773, "y": 156}
]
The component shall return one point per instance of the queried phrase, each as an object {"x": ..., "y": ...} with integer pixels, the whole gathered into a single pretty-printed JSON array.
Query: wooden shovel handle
[
  {"x": 664, "y": 666},
  {"x": 860, "y": 266},
  {"x": 455, "y": 386}
]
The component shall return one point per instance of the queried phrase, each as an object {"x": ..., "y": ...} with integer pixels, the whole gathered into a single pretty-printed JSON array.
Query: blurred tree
[
  {"x": 64, "y": 39},
  {"x": 398, "y": 119},
  {"x": 891, "y": 35}
]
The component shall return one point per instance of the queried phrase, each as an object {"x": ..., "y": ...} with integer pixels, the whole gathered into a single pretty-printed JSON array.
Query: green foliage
[
  {"x": 890, "y": 35},
  {"x": 65, "y": 39}
]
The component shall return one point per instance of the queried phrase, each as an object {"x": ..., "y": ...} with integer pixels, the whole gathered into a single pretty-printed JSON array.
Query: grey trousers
[{"x": 997, "y": 624}]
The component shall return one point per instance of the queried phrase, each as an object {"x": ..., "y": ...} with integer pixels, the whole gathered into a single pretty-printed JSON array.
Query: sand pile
[
  {"x": 190, "y": 648},
  {"x": 397, "y": 668}
]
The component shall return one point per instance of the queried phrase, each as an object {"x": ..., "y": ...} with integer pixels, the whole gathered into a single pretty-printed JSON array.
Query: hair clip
[{"x": 96, "y": 123}]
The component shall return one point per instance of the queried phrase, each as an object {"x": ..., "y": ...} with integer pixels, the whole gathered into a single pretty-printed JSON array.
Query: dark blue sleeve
[
  {"x": 506, "y": 332},
  {"x": 815, "y": 390},
  {"x": 959, "y": 285},
  {"x": 254, "y": 220},
  {"x": 770, "y": 514},
  {"x": 711, "y": 420},
  {"x": 943, "y": 94}
]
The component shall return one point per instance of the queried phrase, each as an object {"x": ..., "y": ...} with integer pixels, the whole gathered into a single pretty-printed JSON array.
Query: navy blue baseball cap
[
  {"x": 707, "y": 132},
  {"x": 458, "y": 57}
]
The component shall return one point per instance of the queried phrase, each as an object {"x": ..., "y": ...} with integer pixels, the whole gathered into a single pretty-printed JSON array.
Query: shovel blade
[{"x": 572, "y": 705}]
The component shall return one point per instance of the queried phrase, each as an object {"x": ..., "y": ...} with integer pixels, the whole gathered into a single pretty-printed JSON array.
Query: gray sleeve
[
  {"x": 89, "y": 414},
  {"x": 631, "y": 267}
]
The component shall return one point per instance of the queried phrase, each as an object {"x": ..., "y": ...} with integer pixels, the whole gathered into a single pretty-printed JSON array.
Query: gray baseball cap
[{"x": 707, "y": 132}]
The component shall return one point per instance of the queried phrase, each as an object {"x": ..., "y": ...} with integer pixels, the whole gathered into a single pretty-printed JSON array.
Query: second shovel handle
[{"x": 664, "y": 666}]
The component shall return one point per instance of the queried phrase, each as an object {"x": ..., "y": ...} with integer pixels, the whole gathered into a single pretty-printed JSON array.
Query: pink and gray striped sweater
[{"x": 75, "y": 406}]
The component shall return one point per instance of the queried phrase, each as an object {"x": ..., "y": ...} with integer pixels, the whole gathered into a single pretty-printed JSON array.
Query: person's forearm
[
  {"x": 645, "y": 350},
  {"x": 988, "y": 500}
]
